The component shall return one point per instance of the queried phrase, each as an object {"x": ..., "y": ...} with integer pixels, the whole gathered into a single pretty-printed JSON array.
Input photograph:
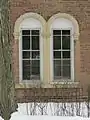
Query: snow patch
[{"x": 28, "y": 117}]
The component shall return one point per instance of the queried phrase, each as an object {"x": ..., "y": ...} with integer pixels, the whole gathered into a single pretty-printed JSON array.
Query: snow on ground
[
  {"x": 17, "y": 116},
  {"x": 43, "y": 117},
  {"x": 54, "y": 109},
  {"x": 25, "y": 111},
  {"x": 1, "y": 118}
]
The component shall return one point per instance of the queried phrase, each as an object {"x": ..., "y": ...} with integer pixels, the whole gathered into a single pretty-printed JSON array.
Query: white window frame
[
  {"x": 20, "y": 56},
  {"x": 72, "y": 56}
]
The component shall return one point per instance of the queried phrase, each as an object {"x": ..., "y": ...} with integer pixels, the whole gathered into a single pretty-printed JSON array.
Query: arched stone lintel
[
  {"x": 45, "y": 25},
  {"x": 26, "y": 16},
  {"x": 69, "y": 17}
]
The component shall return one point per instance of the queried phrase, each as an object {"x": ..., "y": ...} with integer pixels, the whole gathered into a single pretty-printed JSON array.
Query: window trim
[
  {"x": 20, "y": 57},
  {"x": 72, "y": 56}
]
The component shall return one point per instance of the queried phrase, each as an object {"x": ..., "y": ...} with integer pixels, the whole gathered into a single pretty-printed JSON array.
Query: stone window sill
[{"x": 64, "y": 83}]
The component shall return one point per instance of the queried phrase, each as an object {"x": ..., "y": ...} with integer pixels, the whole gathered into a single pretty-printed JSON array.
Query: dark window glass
[
  {"x": 26, "y": 54},
  {"x": 25, "y": 42},
  {"x": 35, "y": 42},
  {"x": 31, "y": 69},
  {"x": 36, "y": 54},
  {"x": 57, "y": 69},
  {"x": 66, "y": 54},
  {"x": 65, "y": 32},
  {"x": 35, "y": 70},
  {"x": 66, "y": 72},
  {"x": 26, "y": 70},
  {"x": 56, "y": 32},
  {"x": 66, "y": 62},
  {"x": 56, "y": 42},
  {"x": 57, "y": 54},
  {"x": 25, "y": 32},
  {"x": 66, "y": 42},
  {"x": 35, "y": 32}
]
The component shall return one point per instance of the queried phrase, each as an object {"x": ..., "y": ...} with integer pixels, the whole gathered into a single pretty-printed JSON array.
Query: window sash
[
  {"x": 61, "y": 50},
  {"x": 33, "y": 55}
]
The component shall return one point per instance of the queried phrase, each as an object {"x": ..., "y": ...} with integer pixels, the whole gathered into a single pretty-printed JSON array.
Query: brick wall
[{"x": 80, "y": 9}]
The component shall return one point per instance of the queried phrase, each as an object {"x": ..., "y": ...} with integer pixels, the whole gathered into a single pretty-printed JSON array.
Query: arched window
[
  {"x": 29, "y": 27},
  {"x": 30, "y": 49},
  {"x": 62, "y": 30},
  {"x": 46, "y": 50}
]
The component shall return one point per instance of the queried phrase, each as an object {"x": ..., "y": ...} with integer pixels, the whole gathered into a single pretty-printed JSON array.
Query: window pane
[
  {"x": 35, "y": 32},
  {"x": 57, "y": 42},
  {"x": 26, "y": 70},
  {"x": 66, "y": 42},
  {"x": 57, "y": 54},
  {"x": 57, "y": 69},
  {"x": 35, "y": 70},
  {"x": 26, "y": 54},
  {"x": 66, "y": 62},
  {"x": 35, "y": 42},
  {"x": 66, "y": 72},
  {"x": 36, "y": 54},
  {"x": 25, "y": 32},
  {"x": 66, "y": 54},
  {"x": 25, "y": 42},
  {"x": 56, "y": 32},
  {"x": 65, "y": 32}
]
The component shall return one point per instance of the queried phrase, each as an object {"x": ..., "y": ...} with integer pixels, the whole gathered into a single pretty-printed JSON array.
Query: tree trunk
[{"x": 7, "y": 91}]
